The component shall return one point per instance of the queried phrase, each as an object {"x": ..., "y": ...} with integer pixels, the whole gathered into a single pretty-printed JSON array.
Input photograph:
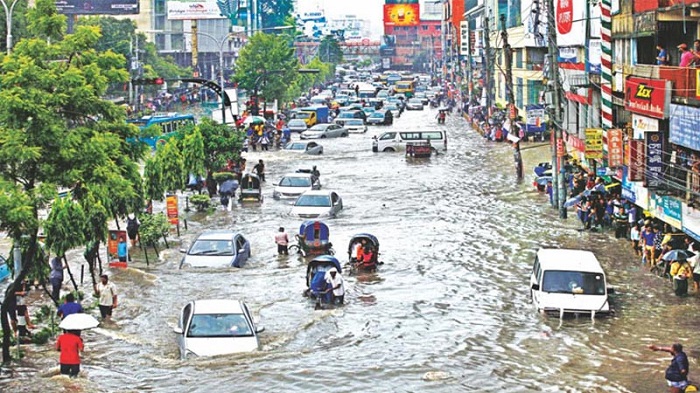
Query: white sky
[{"x": 371, "y": 10}]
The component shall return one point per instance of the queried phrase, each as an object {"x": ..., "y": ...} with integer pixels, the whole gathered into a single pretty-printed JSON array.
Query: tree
[
  {"x": 56, "y": 131},
  {"x": 329, "y": 50},
  {"x": 267, "y": 65}
]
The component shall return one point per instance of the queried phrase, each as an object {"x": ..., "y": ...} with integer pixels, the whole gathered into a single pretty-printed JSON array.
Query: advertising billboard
[
  {"x": 401, "y": 2},
  {"x": 193, "y": 10},
  {"x": 653, "y": 165},
  {"x": 401, "y": 14},
  {"x": 387, "y": 46},
  {"x": 570, "y": 19},
  {"x": 648, "y": 97},
  {"x": 97, "y": 7}
]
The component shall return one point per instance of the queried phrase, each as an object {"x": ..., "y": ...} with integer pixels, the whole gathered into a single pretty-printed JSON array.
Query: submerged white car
[
  {"x": 216, "y": 327},
  {"x": 314, "y": 204},
  {"x": 294, "y": 184},
  {"x": 353, "y": 125}
]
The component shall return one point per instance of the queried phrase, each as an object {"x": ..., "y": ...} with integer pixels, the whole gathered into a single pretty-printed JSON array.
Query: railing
[{"x": 683, "y": 79}]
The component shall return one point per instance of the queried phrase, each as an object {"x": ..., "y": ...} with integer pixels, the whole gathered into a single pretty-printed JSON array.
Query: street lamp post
[{"x": 8, "y": 21}]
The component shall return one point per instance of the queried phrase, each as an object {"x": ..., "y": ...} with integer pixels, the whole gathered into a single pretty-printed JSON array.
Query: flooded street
[{"x": 448, "y": 311}]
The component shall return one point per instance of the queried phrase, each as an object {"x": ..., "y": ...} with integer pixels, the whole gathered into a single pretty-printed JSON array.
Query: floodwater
[{"x": 448, "y": 311}]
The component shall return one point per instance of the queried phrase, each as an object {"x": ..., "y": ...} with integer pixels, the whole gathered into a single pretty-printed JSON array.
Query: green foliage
[
  {"x": 275, "y": 12},
  {"x": 221, "y": 177},
  {"x": 153, "y": 227},
  {"x": 193, "y": 151},
  {"x": 42, "y": 336},
  {"x": 153, "y": 179},
  {"x": 172, "y": 165},
  {"x": 221, "y": 144},
  {"x": 200, "y": 201},
  {"x": 64, "y": 226},
  {"x": 329, "y": 50},
  {"x": 267, "y": 64}
]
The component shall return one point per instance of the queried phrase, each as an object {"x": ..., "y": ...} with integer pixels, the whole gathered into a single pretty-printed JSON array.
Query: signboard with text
[
  {"x": 97, "y": 7},
  {"x": 636, "y": 159},
  {"x": 653, "y": 165},
  {"x": 116, "y": 237},
  {"x": 649, "y": 97},
  {"x": 594, "y": 143},
  {"x": 193, "y": 10},
  {"x": 615, "y": 153},
  {"x": 666, "y": 208},
  {"x": 171, "y": 209},
  {"x": 570, "y": 19},
  {"x": 684, "y": 126}
]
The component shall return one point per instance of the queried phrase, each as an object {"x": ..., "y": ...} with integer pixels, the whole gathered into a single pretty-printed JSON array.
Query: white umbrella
[
  {"x": 78, "y": 321},
  {"x": 253, "y": 119}
]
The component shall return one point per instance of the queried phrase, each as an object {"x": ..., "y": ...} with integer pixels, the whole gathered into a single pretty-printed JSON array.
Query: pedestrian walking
[
  {"x": 19, "y": 313},
  {"x": 282, "y": 241},
  {"x": 132, "y": 228},
  {"x": 70, "y": 345},
  {"x": 259, "y": 169},
  {"x": 69, "y": 307},
  {"x": 264, "y": 142},
  {"x": 56, "y": 277},
  {"x": 107, "y": 293}
]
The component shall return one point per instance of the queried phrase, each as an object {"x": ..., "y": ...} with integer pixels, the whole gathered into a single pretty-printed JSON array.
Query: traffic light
[{"x": 154, "y": 81}]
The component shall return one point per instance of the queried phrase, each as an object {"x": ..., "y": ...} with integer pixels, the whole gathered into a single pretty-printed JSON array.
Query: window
[
  {"x": 159, "y": 7},
  {"x": 432, "y": 135},
  {"x": 388, "y": 136},
  {"x": 580, "y": 283},
  {"x": 410, "y": 136},
  {"x": 186, "y": 312},
  {"x": 219, "y": 325},
  {"x": 519, "y": 92},
  {"x": 240, "y": 242},
  {"x": 518, "y": 58}
]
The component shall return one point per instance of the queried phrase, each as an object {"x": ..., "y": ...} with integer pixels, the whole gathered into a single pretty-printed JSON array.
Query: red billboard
[
  {"x": 401, "y": 14},
  {"x": 648, "y": 97},
  {"x": 615, "y": 155}
]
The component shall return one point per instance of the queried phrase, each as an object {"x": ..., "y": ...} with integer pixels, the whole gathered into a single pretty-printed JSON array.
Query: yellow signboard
[{"x": 594, "y": 143}]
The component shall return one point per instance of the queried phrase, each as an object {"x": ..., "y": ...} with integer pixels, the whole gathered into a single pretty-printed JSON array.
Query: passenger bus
[
  {"x": 408, "y": 88},
  {"x": 167, "y": 122}
]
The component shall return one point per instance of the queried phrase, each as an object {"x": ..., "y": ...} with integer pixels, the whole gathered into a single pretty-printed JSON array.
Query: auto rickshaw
[
  {"x": 313, "y": 239},
  {"x": 442, "y": 114},
  {"x": 251, "y": 189}
]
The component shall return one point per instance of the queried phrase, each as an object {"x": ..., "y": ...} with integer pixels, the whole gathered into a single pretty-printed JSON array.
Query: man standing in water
[
  {"x": 282, "y": 241},
  {"x": 336, "y": 285},
  {"x": 108, "y": 297},
  {"x": 70, "y": 345},
  {"x": 677, "y": 372}
]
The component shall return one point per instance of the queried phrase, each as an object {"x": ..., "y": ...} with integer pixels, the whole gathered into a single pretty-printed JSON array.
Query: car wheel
[
  {"x": 389, "y": 150},
  {"x": 323, "y": 137},
  {"x": 345, "y": 135}
]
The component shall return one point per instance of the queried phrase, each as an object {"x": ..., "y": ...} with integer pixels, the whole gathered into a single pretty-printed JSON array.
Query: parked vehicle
[
  {"x": 304, "y": 147},
  {"x": 371, "y": 242},
  {"x": 568, "y": 282},
  {"x": 414, "y": 104},
  {"x": 217, "y": 249},
  {"x": 326, "y": 130},
  {"x": 352, "y": 114},
  {"x": 381, "y": 117},
  {"x": 297, "y": 125},
  {"x": 391, "y": 141},
  {"x": 316, "y": 277},
  {"x": 216, "y": 327},
  {"x": 353, "y": 125},
  {"x": 294, "y": 184},
  {"x": 313, "y": 239},
  {"x": 313, "y": 115},
  {"x": 317, "y": 203},
  {"x": 251, "y": 189}
]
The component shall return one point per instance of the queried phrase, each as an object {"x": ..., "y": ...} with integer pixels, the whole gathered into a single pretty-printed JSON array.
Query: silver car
[
  {"x": 314, "y": 204},
  {"x": 414, "y": 104},
  {"x": 297, "y": 125},
  {"x": 353, "y": 125},
  {"x": 325, "y": 130},
  {"x": 311, "y": 148},
  {"x": 217, "y": 249}
]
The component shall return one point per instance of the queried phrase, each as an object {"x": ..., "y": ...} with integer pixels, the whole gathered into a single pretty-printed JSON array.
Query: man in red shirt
[{"x": 70, "y": 345}]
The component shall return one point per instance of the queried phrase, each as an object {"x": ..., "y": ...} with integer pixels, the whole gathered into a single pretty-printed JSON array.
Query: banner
[
  {"x": 653, "y": 170},
  {"x": 193, "y": 10},
  {"x": 667, "y": 209},
  {"x": 97, "y": 7},
  {"x": 636, "y": 157},
  {"x": 594, "y": 144},
  {"x": 570, "y": 18},
  {"x": 649, "y": 97},
  {"x": 401, "y": 14},
  {"x": 642, "y": 124},
  {"x": 116, "y": 237},
  {"x": 171, "y": 209},
  {"x": 615, "y": 154},
  {"x": 684, "y": 126},
  {"x": 534, "y": 118}
]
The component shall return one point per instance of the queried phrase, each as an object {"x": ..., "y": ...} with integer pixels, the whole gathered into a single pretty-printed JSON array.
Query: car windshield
[
  {"x": 584, "y": 283},
  {"x": 219, "y": 325},
  {"x": 314, "y": 200},
  {"x": 353, "y": 122},
  {"x": 414, "y": 101},
  {"x": 296, "y": 146},
  {"x": 346, "y": 115},
  {"x": 297, "y": 122},
  {"x": 212, "y": 247},
  {"x": 392, "y": 107},
  {"x": 378, "y": 115},
  {"x": 295, "y": 182},
  {"x": 319, "y": 127}
]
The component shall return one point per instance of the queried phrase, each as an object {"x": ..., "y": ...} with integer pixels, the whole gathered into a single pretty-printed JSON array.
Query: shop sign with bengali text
[
  {"x": 666, "y": 208},
  {"x": 649, "y": 97},
  {"x": 594, "y": 143},
  {"x": 113, "y": 247},
  {"x": 636, "y": 159},
  {"x": 653, "y": 170},
  {"x": 171, "y": 209},
  {"x": 615, "y": 152},
  {"x": 684, "y": 126}
]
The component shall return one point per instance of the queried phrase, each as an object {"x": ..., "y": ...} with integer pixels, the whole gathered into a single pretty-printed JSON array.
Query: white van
[
  {"x": 396, "y": 140},
  {"x": 568, "y": 282}
]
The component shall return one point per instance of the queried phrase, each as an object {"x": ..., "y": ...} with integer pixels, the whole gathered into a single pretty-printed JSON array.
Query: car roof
[
  {"x": 217, "y": 235},
  {"x": 317, "y": 192},
  {"x": 217, "y": 306},
  {"x": 297, "y": 174},
  {"x": 568, "y": 260}
]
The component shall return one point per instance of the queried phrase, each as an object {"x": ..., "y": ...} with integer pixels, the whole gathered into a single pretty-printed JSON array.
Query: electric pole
[
  {"x": 487, "y": 64},
  {"x": 555, "y": 116},
  {"x": 510, "y": 93},
  {"x": 469, "y": 63}
]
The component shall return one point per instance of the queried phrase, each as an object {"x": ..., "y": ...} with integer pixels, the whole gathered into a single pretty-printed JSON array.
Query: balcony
[{"x": 683, "y": 79}]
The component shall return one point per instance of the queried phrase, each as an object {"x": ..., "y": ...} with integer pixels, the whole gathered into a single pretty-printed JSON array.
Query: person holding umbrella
[{"x": 681, "y": 271}]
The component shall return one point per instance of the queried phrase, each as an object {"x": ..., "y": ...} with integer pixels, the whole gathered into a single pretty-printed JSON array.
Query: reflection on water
[{"x": 448, "y": 311}]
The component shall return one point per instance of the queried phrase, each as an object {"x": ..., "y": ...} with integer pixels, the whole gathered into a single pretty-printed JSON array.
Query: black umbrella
[
  {"x": 677, "y": 255},
  {"x": 228, "y": 187}
]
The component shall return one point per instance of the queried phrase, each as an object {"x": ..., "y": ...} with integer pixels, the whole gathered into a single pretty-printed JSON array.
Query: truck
[{"x": 313, "y": 115}]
